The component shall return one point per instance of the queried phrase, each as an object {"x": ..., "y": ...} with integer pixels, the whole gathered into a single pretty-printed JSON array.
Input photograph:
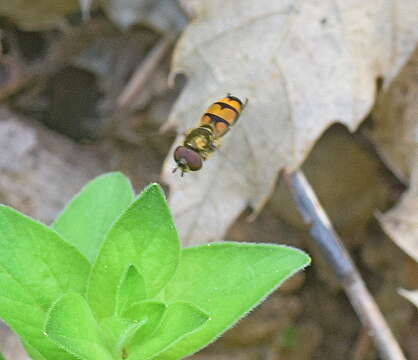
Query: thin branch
[
  {"x": 338, "y": 257},
  {"x": 143, "y": 72}
]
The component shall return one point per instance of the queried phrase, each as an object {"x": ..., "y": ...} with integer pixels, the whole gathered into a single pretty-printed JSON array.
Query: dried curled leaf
[
  {"x": 303, "y": 66},
  {"x": 396, "y": 137},
  {"x": 396, "y": 122},
  {"x": 401, "y": 222}
]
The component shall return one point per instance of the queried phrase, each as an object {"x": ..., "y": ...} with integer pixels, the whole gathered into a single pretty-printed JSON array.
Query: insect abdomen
[{"x": 222, "y": 114}]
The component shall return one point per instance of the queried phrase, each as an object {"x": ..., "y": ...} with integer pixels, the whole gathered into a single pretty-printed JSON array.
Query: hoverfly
[{"x": 201, "y": 141}]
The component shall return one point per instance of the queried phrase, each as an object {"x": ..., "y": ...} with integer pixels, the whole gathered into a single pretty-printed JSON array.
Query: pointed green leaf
[
  {"x": 131, "y": 289},
  {"x": 144, "y": 236},
  {"x": 149, "y": 311},
  {"x": 71, "y": 325},
  {"x": 179, "y": 320},
  {"x": 227, "y": 280},
  {"x": 87, "y": 218},
  {"x": 118, "y": 332},
  {"x": 138, "y": 323},
  {"x": 36, "y": 267}
]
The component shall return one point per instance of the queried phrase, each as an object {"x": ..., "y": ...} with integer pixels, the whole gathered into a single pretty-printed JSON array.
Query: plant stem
[{"x": 338, "y": 257}]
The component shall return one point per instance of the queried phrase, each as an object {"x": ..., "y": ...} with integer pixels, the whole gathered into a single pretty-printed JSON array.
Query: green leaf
[
  {"x": 137, "y": 324},
  {"x": 179, "y": 320},
  {"x": 150, "y": 311},
  {"x": 131, "y": 289},
  {"x": 144, "y": 236},
  {"x": 87, "y": 218},
  {"x": 71, "y": 325},
  {"x": 117, "y": 332},
  {"x": 226, "y": 280},
  {"x": 36, "y": 267},
  {"x": 2, "y": 357}
]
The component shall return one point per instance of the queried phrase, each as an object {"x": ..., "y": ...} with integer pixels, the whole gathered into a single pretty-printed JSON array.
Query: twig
[
  {"x": 143, "y": 72},
  {"x": 338, "y": 257}
]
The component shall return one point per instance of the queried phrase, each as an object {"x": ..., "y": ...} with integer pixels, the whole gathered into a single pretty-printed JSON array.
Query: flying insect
[{"x": 203, "y": 140}]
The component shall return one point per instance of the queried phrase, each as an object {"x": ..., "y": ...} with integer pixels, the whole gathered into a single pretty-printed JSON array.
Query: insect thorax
[{"x": 200, "y": 138}]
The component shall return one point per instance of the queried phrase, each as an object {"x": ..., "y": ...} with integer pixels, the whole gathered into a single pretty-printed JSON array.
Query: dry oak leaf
[{"x": 303, "y": 65}]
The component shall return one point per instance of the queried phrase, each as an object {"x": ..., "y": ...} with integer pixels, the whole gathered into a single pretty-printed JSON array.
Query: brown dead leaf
[
  {"x": 395, "y": 132},
  {"x": 303, "y": 66},
  {"x": 401, "y": 222},
  {"x": 396, "y": 136}
]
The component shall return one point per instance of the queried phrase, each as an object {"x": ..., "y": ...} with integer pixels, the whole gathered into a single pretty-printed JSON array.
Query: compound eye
[
  {"x": 194, "y": 160},
  {"x": 188, "y": 158}
]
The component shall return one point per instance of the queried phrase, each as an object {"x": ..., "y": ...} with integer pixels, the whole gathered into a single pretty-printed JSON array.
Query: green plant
[{"x": 108, "y": 280}]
